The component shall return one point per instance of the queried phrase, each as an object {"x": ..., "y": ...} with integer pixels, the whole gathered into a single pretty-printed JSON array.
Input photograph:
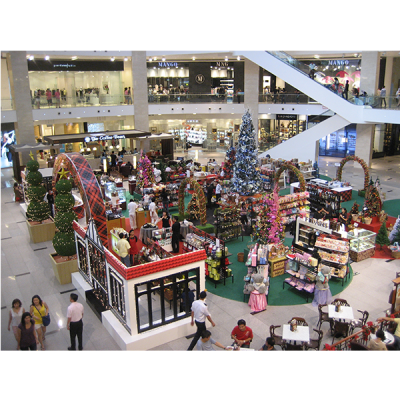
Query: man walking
[
  {"x": 383, "y": 96},
  {"x": 74, "y": 323},
  {"x": 132, "y": 206},
  {"x": 199, "y": 314},
  {"x": 345, "y": 93},
  {"x": 176, "y": 233},
  {"x": 123, "y": 247}
]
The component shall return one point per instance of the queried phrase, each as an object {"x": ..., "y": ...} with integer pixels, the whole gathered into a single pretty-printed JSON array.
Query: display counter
[{"x": 362, "y": 244}]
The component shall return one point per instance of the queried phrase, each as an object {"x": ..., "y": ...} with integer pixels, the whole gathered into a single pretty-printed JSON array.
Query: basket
[
  {"x": 240, "y": 257},
  {"x": 355, "y": 217},
  {"x": 396, "y": 254},
  {"x": 368, "y": 220}
]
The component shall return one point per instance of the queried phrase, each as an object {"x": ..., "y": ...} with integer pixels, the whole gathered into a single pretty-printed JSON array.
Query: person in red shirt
[{"x": 242, "y": 334}]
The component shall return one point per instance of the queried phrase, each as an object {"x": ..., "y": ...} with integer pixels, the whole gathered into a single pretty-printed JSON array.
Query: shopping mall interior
[{"x": 313, "y": 108}]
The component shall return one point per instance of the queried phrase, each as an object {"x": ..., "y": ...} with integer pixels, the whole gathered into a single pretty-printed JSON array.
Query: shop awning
[
  {"x": 98, "y": 136},
  {"x": 17, "y": 148},
  {"x": 159, "y": 136}
]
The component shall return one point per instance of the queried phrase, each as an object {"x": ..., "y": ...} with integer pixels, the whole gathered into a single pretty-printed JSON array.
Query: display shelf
[
  {"x": 362, "y": 244},
  {"x": 292, "y": 205},
  {"x": 228, "y": 226}
]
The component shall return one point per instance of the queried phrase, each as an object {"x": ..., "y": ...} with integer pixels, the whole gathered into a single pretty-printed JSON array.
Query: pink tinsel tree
[{"x": 145, "y": 176}]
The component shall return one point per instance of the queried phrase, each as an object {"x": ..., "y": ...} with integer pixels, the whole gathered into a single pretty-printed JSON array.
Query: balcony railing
[
  {"x": 196, "y": 98},
  {"x": 7, "y": 104}
]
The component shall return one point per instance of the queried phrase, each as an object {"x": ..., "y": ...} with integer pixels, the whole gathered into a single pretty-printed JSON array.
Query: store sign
[
  {"x": 200, "y": 79},
  {"x": 222, "y": 64},
  {"x": 77, "y": 65},
  {"x": 287, "y": 117},
  {"x": 104, "y": 137},
  {"x": 338, "y": 62},
  {"x": 168, "y": 64}
]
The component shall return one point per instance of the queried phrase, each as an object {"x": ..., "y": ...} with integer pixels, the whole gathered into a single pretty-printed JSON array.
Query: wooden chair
[
  {"x": 357, "y": 346},
  {"x": 340, "y": 329},
  {"x": 290, "y": 347},
  {"x": 324, "y": 317},
  {"x": 277, "y": 338},
  {"x": 315, "y": 343},
  {"x": 358, "y": 323},
  {"x": 300, "y": 321},
  {"x": 342, "y": 302}
]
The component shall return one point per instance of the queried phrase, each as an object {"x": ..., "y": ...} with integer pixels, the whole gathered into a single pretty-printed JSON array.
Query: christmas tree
[
  {"x": 246, "y": 178},
  {"x": 38, "y": 210},
  {"x": 193, "y": 207},
  {"x": 354, "y": 209},
  {"x": 382, "y": 236},
  {"x": 269, "y": 228},
  {"x": 64, "y": 239},
  {"x": 372, "y": 203},
  {"x": 229, "y": 162},
  {"x": 145, "y": 176},
  {"x": 395, "y": 234}
]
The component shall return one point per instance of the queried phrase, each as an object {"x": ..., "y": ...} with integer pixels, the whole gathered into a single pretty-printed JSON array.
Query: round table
[{"x": 146, "y": 233}]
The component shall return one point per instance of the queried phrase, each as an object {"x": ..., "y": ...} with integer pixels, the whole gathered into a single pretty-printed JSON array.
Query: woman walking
[
  {"x": 133, "y": 250},
  {"x": 26, "y": 333},
  {"x": 38, "y": 310},
  {"x": 15, "y": 316}
]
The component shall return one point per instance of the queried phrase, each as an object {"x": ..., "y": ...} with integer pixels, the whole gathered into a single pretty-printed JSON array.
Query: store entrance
[{"x": 341, "y": 143}]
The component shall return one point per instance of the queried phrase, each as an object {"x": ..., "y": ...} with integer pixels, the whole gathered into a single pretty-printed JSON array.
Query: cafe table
[
  {"x": 344, "y": 313},
  {"x": 302, "y": 334}
]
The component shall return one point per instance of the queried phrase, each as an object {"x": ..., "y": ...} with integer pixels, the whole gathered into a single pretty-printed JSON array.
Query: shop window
[{"x": 159, "y": 302}]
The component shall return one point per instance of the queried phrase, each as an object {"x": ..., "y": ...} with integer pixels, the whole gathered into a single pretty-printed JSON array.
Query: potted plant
[
  {"x": 40, "y": 225},
  {"x": 64, "y": 261}
]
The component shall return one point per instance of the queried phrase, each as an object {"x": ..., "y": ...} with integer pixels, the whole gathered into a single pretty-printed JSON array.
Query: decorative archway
[
  {"x": 288, "y": 165},
  {"x": 200, "y": 195},
  {"x": 361, "y": 162},
  {"x": 89, "y": 189}
]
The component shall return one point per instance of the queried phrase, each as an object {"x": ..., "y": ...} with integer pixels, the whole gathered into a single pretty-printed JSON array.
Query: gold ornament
[{"x": 63, "y": 173}]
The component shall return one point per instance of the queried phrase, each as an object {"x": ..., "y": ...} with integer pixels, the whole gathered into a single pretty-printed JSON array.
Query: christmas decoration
[
  {"x": 372, "y": 204},
  {"x": 361, "y": 162},
  {"x": 229, "y": 162},
  {"x": 193, "y": 207},
  {"x": 63, "y": 174},
  {"x": 290, "y": 166},
  {"x": 199, "y": 192},
  {"x": 38, "y": 210},
  {"x": 269, "y": 228},
  {"x": 354, "y": 208},
  {"x": 246, "y": 178},
  {"x": 64, "y": 239},
  {"x": 395, "y": 234},
  {"x": 382, "y": 236},
  {"x": 145, "y": 176}
]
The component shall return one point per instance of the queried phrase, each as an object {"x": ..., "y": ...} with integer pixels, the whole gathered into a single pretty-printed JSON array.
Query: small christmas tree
[
  {"x": 382, "y": 236},
  {"x": 229, "y": 162},
  {"x": 38, "y": 210},
  {"x": 354, "y": 208},
  {"x": 193, "y": 207},
  {"x": 64, "y": 239},
  {"x": 246, "y": 178},
  {"x": 395, "y": 234},
  {"x": 372, "y": 204},
  {"x": 145, "y": 176}
]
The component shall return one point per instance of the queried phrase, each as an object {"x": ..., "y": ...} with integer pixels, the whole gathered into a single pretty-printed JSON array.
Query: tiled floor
[{"x": 26, "y": 270}]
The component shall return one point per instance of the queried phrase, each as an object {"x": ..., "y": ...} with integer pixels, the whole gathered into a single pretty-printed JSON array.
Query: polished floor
[{"x": 26, "y": 271}]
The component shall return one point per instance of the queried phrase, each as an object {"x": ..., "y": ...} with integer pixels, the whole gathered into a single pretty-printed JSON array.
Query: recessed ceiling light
[
  {"x": 193, "y": 58},
  {"x": 31, "y": 58},
  {"x": 126, "y": 59},
  {"x": 155, "y": 58},
  {"x": 150, "y": 59},
  {"x": 316, "y": 56},
  {"x": 112, "y": 59},
  {"x": 238, "y": 58},
  {"x": 163, "y": 59},
  {"x": 74, "y": 58},
  {"x": 47, "y": 58}
]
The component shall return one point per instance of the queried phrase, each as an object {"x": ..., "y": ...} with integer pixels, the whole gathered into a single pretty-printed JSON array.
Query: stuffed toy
[
  {"x": 259, "y": 283},
  {"x": 323, "y": 278},
  {"x": 322, "y": 293}
]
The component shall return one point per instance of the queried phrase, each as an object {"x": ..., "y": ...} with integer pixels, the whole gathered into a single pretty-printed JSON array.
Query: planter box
[
  {"x": 63, "y": 268},
  {"x": 41, "y": 232}
]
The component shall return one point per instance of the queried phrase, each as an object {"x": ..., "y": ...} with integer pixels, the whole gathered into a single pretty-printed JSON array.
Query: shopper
[
  {"x": 126, "y": 95},
  {"x": 383, "y": 96},
  {"x": 113, "y": 160},
  {"x": 187, "y": 305},
  {"x": 37, "y": 98},
  {"x": 398, "y": 97},
  {"x": 176, "y": 233},
  {"x": 15, "y": 316},
  {"x": 38, "y": 310},
  {"x": 74, "y": 321},
  {"x": 199, "y": 314},
  {"x": 166, "y": 220},
  {"x": 153, "y": 211},
  {"x": 132, "y": 207},
  {"x": 343, "y": 218},
  {"x": 243, "y": 215},
  {"x": 129, "y": 95},
  {"x": 27, "y": 334},
  {"x": 345, "y": 93},
  {"x": 49, "y": 97},
  {"x": 336, "y": 85},
  {"x": 165, "y": 199},
  {"x": 133, "y": 243},
  {"x": 283, "y": 96},
  {"x": 269, "y": 344},
  {"x": 312, "y": 73},
  {"x": 377, "y": 342},
  {"x": 396, "y": 336},
  {"x": 123, "y": 249},
  {"x": 58, "y": 100},
  {"x": 218, "y": 189},
  {"x": 210, "y": 193},
  {"x": 49, "y": 198},
  {"x": 242, "y": 334},
  {"x": 206, "y": 341}
]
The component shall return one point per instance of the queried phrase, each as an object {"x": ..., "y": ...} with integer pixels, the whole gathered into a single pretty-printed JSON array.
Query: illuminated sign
[
  {"x": 339, "y": 62},
  {"x": 104, "y": 137},
  {"x": 168, "y": 64}
]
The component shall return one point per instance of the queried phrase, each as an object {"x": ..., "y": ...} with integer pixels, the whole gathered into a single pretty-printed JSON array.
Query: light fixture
[
  {"x": 74, "y": 58},
  {"x": 150, "y": 59},
  {"x": 112, "y": 58},
  {"x": 31, "y": 58},
  {"x": 238, "y": 58},
  {"x": 47, "y": 58},
  {"x": 155, "y": 58},
  {"x": 226, "y": 58},
  {"x": 193, "y": 58},
  {"x": 94, "y": 148},
  {"x": 111, "y": 147},
  {"x": 126, "y": 59},
  {"x": 163, "y": 59},
  {"x": 316, "y": 56}
]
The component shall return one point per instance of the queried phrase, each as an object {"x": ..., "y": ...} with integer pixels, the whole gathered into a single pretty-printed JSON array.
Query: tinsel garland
[
  {"x": 288, "y": 165},
  {"x": 361, "y": 162}
]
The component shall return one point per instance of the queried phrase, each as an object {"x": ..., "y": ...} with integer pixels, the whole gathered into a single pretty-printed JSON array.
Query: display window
[{"x": 341, "y": 143}]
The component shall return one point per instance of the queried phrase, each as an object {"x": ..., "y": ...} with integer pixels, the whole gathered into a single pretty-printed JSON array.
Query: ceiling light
[
  {"x": 112, "y": 58},
  {"x": 226, "y": 58},
  {"x": 74, "y": 58},
  {"x": 31, "y": 58},
  {"x": 47, "y": 58},
  {"x": 316, "y": 56},
  {"x": 238, "y": 58},
  {"x": 193, "y": 58},
  {"x": 163, "y": 59},
  {"x": 155, "y": 58},
  {"x": 126, "y": 59}
]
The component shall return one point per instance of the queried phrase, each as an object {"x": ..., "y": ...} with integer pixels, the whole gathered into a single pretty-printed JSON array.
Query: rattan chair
[
  {"x": 277, "y": 338},
  {"x": 324, "y": 317},
  {"x": 358, "y": 323},
  {"x": 340, "y": 329},
  {"x": 315, "y": 344}
]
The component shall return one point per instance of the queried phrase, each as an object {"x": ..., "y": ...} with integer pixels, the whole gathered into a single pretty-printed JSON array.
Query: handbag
[{"x": 45, "y": 318}]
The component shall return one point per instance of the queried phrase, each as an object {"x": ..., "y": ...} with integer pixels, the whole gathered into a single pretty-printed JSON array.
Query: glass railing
[
  {"x": 196, "y": 98},
  {"x": 7, "y": 104},
  {"x": 87, "y": 100},
  {"x": 283, "y": 98}
]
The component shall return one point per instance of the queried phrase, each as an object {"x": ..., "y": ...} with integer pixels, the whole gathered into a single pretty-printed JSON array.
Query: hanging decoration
[
  {"x": 198, "y": 190},
  {"x": 361, "y": 162},
  {"x": 289, "y": 166}
]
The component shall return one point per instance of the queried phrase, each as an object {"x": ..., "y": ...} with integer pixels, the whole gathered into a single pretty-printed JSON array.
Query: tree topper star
[{"x": 63, "y": 173}]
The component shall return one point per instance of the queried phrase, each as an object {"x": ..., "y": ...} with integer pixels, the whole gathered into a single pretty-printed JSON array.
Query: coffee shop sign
[{"x": 105, "y": 137}]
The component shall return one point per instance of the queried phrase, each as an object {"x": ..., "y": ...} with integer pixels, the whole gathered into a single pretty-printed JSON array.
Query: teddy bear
[
  {"x": 257, "y": 288},
  {"x": 259, "y": 283}
]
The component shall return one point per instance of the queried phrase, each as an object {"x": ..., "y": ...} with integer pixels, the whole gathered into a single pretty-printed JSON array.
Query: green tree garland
[
  {"x": 382, "y": 237},
  {"x": 64, "y": 239},
  {"x": 38, "y": 210}
]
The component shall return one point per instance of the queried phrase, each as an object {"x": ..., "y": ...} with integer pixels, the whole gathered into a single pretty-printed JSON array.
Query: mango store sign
[{"x": 104, "y": 137}]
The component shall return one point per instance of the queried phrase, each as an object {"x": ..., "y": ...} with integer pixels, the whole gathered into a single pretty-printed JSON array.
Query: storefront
[
  {"x": 79, "y": 81},
  {"x": 341, "y": 143}
]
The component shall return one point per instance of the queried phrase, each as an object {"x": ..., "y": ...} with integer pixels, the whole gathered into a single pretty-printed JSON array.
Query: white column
[
  {"x": 251, "y": 78},
  {"x": 390, "y": 87},
  {"x": 369, "y": 72},
  {"x": 364, "y": 143}
]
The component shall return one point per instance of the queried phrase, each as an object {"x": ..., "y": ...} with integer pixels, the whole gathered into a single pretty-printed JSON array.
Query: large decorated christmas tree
[
  {"x": 145, "y": 176},
  {"x": 38, "y": 210},
  {"x": 229, "y": 162},
  {"x": 372, "y": 204},
  {"x": 64, "y": 239},
  {"x": 246, "y": 178},
  {"x": 269, "y": 228}
]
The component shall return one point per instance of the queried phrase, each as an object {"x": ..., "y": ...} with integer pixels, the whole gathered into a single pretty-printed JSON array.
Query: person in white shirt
[
  {"x": 132, "y": 206},
  {"x": 74, "y": 323},
  {"x": 199, "y": 314},
  {"x": 153, "y": 211},
  {"x": 218, "y": 191},
  {"x": 383, "y": 96}
]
